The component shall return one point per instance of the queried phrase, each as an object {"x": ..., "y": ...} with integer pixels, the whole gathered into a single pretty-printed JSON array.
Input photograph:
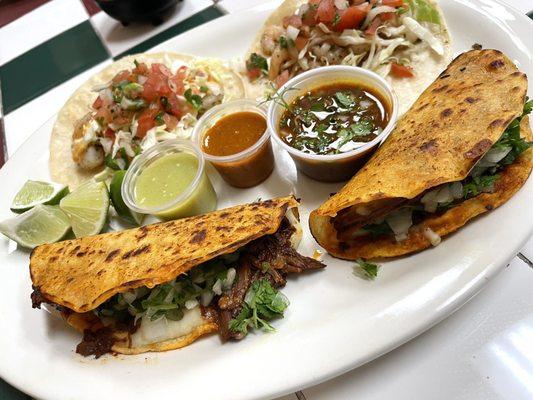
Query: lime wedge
[
  {"x": 118, "y": 203},
  {"x": 41, "y": 224},
  {"x": 36, "y": 192},
  {"x": 87, "y": 208}
]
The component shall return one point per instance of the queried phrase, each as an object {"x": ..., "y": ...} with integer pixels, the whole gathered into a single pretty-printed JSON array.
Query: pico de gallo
[
  {"x": 140, "y": 107},
  {"x": 380, "y": 35}
]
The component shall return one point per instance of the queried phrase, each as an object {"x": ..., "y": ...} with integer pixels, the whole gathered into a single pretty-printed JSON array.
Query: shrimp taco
[
  {"x": 405, "y": 41},
  {"x": 161, "y": 287},
  {"x": 462, "y": 150},
  {"x": 131, "y": 105}
]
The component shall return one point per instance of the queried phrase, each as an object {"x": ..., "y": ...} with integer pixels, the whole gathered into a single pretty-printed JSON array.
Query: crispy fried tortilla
[
  {"x": 77, "y": 276},
  {"x": 425, "y": 64},
  {"x": 63, "y": 169},
  {"x": 451, "y": 126}
]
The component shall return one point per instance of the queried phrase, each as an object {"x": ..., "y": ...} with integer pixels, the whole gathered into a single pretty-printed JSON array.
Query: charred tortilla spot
[
  {"x": 471, "y": 100},
  {"x": 462, "y": 111},
  {"x": 444, "y": 75},
  {"x": 224, "y": 215},
  {"x": 75, "y": 250},
  {"x": 112, "y": 255},
  {"x": 52, "y": 259},
  {"x": 462, "y": 69},
  {"x": 440, "y": 89},
  {"x": 140, "y": 250},
  {"x": 479, "y": 148},
  {"x": 70, "y": 279},
  {"x": 496, "y": 123},
  {"x": 81, "y": 254},
  {"x": 489, "y": 207},
  {"x": 198, "y": 237},
  {"x": 143, "y": 231},
  {"x": 446, "y": 112},
  {"x": 429, "y": 147}
]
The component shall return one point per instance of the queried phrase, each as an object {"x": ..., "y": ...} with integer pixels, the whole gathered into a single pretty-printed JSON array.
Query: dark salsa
[{"x": 333, "y": 119}]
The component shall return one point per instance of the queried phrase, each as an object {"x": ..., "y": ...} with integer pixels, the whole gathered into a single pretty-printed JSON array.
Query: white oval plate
[{"x": 336, "y": 321}]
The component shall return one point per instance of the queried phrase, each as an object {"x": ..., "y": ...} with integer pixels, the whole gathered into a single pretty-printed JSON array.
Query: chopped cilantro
[
  {"x": 378, "y": 229},
  {"x": 204, "y": 89},
  {"x": 285, "y": 43},
  {"x": 479, "y": 184},
  {"x": 345, "y": 99},
  {"x": 111, "y": 163},
  {"x": 159, "y": 118},
  {"x": 262, "y": 303},
  {"x": 193, "y": 99},
  {"x": 367, "y": 269},
  {"x": 257, "y": 61},
  {"x": 357, "y": 129},
  {"x": 423, "y": 11},
  {"x": 336, "y": 19}
]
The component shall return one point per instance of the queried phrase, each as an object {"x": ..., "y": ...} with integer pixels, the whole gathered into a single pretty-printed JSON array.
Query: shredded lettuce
[{"x": 424, "y": 11}]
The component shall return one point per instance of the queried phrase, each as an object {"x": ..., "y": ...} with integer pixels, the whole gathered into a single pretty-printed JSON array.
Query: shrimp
[
  {"x": 86, "y": 153},
  {"x": 279, "y": 56}
]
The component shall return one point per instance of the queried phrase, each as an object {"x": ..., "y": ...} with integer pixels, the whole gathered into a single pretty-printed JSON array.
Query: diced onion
[
  {"x": 400, "y": 221},
  {"x": 341, "y": 4},
  {"x": 190, "y": 304},
  {"x": 456, "y": 190},
  {"x": 206, "y": 297},
  {"x": 230, "y": 278},
  {"x": 432, "y": 236},
  {"x": 292, "y": 32},
  {"x": 444, "y": 195},
  {"x": 429, "y": 200},
  {"x": 141, "y": 79},
  {"x": 217, "y": 287},
  {"x": 495, "y": 155}
]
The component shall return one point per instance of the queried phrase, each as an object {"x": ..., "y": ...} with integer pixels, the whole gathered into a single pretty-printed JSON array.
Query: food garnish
[
  {"x": 366, "y": 269},
  {"x": 37, "y": 192}
]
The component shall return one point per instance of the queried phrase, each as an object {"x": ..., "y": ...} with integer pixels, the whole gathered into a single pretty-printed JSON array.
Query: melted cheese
[{"x": 163, "y": 329}]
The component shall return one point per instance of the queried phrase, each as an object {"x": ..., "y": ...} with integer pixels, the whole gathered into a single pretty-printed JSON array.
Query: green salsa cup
[{"x": 169, "y": 181}]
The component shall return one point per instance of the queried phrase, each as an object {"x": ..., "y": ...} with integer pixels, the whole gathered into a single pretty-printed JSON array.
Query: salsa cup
[
  {"x": 332, "y": 167},
  {"x": 248, "y": 167},
  {"x": 198, "y": 197}
]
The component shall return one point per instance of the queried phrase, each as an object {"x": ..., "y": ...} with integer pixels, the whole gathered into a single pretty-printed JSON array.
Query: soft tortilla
[
  {"x": 425, "y": 63},
  {"x": 448, "y": 129},
  {"x": 63, "y": 169}
]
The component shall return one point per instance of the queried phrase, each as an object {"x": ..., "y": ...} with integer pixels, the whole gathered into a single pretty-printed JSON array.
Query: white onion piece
[
  {"x": 429, "y": 200},
  {"x": 324, "y": 28},
  {"x": 141, "y": 79},
  {"x": 217, "y": 287},
  {"x": 341, "y": 4},
  {"x": 206, "y": 298},
  {"x": 375, "y": 12},
  {"x": 303, "y": 9},
  {"x": 190, "y": 304},
  {"x": 129, "y": 296},
  {"x": 495, "y": 155},
  {"x": 292, "y": 32},
  {"x": 424, "y": 34},
  {"x": 456, "y": 190},
  {"x": 444, "y": 195},
  {"x": 400, "y": 221},
  {"x": 230, "y": 278},
  {"x": 432, "y": 236}
]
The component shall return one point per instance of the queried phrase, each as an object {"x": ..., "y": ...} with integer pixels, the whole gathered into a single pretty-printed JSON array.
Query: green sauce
[{"x": 167, "y": 178}]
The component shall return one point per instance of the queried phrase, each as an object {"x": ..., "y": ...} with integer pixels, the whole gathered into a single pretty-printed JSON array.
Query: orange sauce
[{"x": 234, "y": 133}]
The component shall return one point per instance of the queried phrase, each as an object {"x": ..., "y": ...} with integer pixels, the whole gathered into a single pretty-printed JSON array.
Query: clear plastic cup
[
  {"x": 198, "y": 197},
  {"x": 248, "y": 167},
  {"x": 332, "y": 167}
]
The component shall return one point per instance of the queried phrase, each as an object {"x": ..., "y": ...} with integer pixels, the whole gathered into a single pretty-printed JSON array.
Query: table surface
[{"x": 483, "y": 351}]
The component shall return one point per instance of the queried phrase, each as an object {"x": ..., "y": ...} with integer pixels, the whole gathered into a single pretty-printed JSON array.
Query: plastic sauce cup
[
  {"x": 248, "y": 167},
  {"x": 169, "y": 181},
  {"x": 332, "y": 167}
]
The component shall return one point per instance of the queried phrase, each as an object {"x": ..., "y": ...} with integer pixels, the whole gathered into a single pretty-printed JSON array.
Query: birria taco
[
  {"x": 162, "y": 286},
  {"x": 405, "y": 41},
  {"x": 463, "y": 149},
  {"x": 132, "y": 104}
]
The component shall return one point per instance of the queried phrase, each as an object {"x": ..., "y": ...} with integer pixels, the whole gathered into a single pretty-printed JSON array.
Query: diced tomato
[
  {"x": 326, "y": 11},
  {"x": 357, "y": 2},
  {"x": 293, "y": 20},
  {"x": 155, "y": 86},
  {"x": 300, "y": 42},
  {"x": 374, "y": 25},
  {"x": 181, "y": 73},
  {"x": 121, "y": 76},
  {"x": 178, "y": 86},
  {"x": 401, "y": 71},
  {"x": 109, "y": 133},
  {"x": 392, "y": 3},
  {"x": 352, "y": 17},
  {"x": 170, "y": 121},
  {"x": 98, "y": 103},
  {"x": 123, "y": 118},
  {"x": 146, "y": 122},
  {"x": 161, "y": 69},
  {"x": 387, "y": 16},
  {"x": 282, "y": 79},
  {"x": 141, "y": 69},
  {"x": 173, "y": 106},
  {"x": 253, "y": 73},
  {"x": 104, "y": 114}
]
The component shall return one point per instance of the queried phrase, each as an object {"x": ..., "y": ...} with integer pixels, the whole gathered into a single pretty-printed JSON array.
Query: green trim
[
  {"x": 10, "y": 393},
  {"x": 193, "y": 21},
  {"x": 50, "y": 64}
]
